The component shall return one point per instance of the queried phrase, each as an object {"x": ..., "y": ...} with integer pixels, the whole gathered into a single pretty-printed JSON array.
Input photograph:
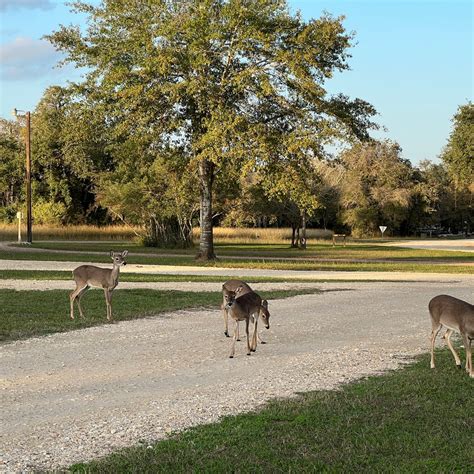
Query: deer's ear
[
  {"x": 265, "y": 304},
  {"x": 124, "y": 253},
  {"x": 111, "y": 253}
]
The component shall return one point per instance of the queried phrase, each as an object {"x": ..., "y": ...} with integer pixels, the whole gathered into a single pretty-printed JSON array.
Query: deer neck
[{"x": 115, "y": 273}]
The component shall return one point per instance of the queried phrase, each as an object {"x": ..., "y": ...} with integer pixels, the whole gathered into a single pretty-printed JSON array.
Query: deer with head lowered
[
  {"x": 455, "y": 315},
  {"x": 248, "y": 307},
  {"x": 86, "y": 276}
]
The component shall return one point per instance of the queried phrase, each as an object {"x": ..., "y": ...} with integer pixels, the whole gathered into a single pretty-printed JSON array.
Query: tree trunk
[
  {"x": 206, "y": 243},
  {"x": 303, "y": 231},
  {"x": 294, "y": 236}
]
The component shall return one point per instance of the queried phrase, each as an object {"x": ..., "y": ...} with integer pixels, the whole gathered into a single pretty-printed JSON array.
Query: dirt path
[{"x": 78, "y": 395}]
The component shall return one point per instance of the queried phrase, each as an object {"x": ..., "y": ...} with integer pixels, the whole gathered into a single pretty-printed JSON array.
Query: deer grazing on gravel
[
  {"x": 86, "y": 276},
  {"x": 455, "y": 315},
  {"x": 248, "y": 307}
]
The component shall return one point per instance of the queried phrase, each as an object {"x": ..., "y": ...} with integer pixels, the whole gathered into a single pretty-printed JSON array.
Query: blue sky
[{"x": 413, "y": 61}]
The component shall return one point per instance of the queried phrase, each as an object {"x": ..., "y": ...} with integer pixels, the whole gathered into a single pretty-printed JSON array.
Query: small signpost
[
  {"x": 19, "y": 216},
  {"x": 382, "y": 228}
]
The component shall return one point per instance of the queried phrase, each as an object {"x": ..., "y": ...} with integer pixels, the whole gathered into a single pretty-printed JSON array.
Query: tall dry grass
[
  {"x": 261, "y": 236},
  {"x": 9, "y": 232}
]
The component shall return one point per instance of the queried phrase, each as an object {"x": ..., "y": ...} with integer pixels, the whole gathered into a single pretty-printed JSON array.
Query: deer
[
  {"x": 455, "y": 315},
  {"x": 229, "y": 293},
  {"x": 230, "y": 290},
  {"x": 86, "y": 276},
  {"x": 247, "y": 307}
]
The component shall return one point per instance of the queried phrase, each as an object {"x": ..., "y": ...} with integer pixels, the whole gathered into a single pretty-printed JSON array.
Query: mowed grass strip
[
  {"x": 353, "y": 251},
  {"x": 25, "y": 314},
  {"x": 142, "y": 277},
  {"x": 411, "y": 420},
  {"x": 45, "y": 275},
  {"x": 274, "y": 263}
]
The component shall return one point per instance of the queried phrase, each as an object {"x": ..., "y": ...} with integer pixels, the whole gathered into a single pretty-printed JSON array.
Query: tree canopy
[
  {"x": 221, "y": 82},
  {"x": 459, "y": 152}
]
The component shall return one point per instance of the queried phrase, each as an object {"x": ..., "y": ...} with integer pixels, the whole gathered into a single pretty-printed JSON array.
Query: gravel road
[{"x": 79, "y": 395}]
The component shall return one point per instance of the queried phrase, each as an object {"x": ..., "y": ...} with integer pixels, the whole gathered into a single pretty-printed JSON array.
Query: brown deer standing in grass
[
  {"x": 455, "y": 315},
  {"x": 248, "y": 307},
  {"x": 86, "y": 276}
]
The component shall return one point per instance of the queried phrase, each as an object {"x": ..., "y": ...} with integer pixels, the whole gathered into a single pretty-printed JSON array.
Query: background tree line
[
  {"x": 215, "y": 112},
  {"x": 80, "y": 175}
]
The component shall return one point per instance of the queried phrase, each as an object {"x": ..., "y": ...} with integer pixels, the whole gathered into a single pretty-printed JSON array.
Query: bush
[
  {"x": 45, "y": 212},
  {"x": 8, "y": 214}
]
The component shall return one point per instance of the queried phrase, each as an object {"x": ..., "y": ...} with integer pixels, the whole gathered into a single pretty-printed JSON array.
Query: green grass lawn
[
  {"x": 25, "y": 314},
  {"x": 152, "y": 277},
  {"x": 354, "y": 257},
  {"x": 353, "y": 251},
  {"x": 414, "y": 420}
]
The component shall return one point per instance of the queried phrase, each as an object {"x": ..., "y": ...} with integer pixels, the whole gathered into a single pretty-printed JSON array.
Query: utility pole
[{"x": 29, "y": 215}]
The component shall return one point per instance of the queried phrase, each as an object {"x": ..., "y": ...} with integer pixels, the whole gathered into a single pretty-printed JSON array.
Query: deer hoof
[
  {"x": 231, "y": 357},
  {"x": 459, "y": 366},
  {"x": 226, "y": 334}
]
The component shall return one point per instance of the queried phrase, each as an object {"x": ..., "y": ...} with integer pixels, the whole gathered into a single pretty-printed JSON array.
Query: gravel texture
[{"x": 76, "y": 396}]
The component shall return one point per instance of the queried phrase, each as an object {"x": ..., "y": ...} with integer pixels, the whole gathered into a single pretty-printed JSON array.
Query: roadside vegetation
[
  {"x": 25, "y": 314},
  {"x": 410, "y": 420},
  {"x": 355, "y": 256}
]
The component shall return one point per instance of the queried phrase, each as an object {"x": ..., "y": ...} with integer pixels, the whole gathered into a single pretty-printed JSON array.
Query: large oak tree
[{"x": 221, "y": 80}]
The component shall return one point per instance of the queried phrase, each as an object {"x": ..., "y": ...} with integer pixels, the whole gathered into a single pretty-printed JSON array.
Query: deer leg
[
  {"x": 467, "y": 345},
  {"x": 247, "y": 321},
  {"x": 226, "y": 320},
  {"x": 108, "y": 302},
  {"x": 254, "y": 335},
  {"x": 259, "y": 339},
  {"x": 238, "y": 331},
  {"x": 79, "y": 297},
  {"x": 232, "y": 350},
  {"x": 434, "y": 333},
  {"x": 451, "y": 348},
  {"x": 72, "y": 297}
]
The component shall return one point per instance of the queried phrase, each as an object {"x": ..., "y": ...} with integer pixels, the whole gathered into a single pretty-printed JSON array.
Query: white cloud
[
  {"x": 25, "y": 58},
  {"x": 29, "y": 4}
]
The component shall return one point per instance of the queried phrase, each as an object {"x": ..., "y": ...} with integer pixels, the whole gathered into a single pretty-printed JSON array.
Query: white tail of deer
[
  {"x": 455, "y": 315},
  {"x": 86, "y": 276},
  {"x": 245, "y": 308}
]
